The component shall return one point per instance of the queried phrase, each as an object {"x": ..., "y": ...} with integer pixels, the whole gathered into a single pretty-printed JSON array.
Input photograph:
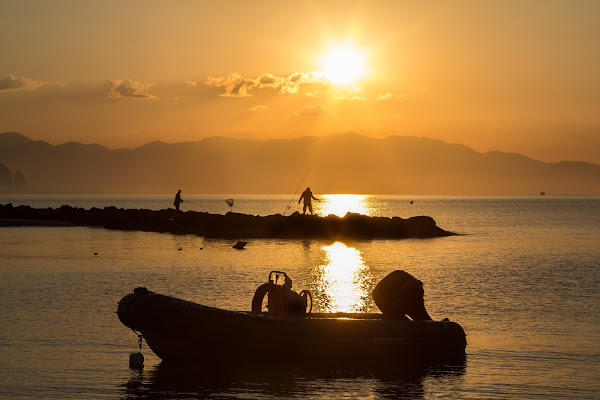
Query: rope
[{"x": 140, "y": 338}]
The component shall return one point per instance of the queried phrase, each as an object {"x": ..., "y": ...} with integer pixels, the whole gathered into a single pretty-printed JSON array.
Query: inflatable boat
[{"x": 181, "y": 331}]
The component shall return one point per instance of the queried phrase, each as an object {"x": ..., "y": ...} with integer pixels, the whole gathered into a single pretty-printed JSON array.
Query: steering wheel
[{"x": 306, "y": 295}]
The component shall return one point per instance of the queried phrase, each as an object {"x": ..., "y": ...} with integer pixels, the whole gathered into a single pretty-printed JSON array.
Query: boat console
[{"x": 281, "y": 299}]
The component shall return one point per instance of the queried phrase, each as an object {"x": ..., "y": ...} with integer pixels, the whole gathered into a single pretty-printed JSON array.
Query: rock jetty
[{"x": 230, "y": 226}]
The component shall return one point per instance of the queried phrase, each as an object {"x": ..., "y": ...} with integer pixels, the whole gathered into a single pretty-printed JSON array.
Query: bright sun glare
[
  {"x": 343, "y": 65},
  {"x": 340, "y": 204}
]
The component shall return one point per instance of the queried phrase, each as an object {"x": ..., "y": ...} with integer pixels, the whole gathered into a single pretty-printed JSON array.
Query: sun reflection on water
[{"x": 344, "y": 282}]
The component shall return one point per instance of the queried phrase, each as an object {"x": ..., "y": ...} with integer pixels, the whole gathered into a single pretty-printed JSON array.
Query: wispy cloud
[
  {"x": 317, "y": 93},
  {"x": 128, "y": 89},
  {"x": 351, "y": 98},
  {"x": 352, "y": 95},
  {"x": 235, "y": 85},
  {"x": 11, "y": 82},
  {"x": 385, "y": 96},
  {"x": 313, "y": 112},
  {"x": 292, "y": 83},
  {"x": 192, "y": 84},
  {"x": 260, "y": 108}
]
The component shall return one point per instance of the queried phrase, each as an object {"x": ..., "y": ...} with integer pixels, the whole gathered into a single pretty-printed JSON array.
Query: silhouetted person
[
  {"x": 308, "y": 197},
  {"x": 178, "y": 200}
]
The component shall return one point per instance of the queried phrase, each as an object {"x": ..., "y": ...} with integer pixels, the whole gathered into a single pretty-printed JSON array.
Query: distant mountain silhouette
[
  {"x": 345, "y": 163},
  {"x": 11, "y": 140}
]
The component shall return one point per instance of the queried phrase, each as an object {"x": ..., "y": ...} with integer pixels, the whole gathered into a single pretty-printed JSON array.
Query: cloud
[
  {"x": 235, "y": 85},
  {"x": 351, "y": 98},
  {"x": 260, "y": 108},
  {"x": 313, "y": 112},
  {"x": 425, "y": 88},
  {"x": 385, "y": 97},
  {"x": 11, "y": 82},
  {"x": 316, "y": 93},
  {"x": 388, "y": 96},
  {"x": 192, "y": 84},
  {"x": 351, "y": 95},
  {"x": 127, "y": 88},
  {"x": 268, "y": 80},
  {"x": 292, "y": 83}
]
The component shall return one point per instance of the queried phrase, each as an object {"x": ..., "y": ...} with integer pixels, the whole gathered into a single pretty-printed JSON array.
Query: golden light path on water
[
  {"x": 340, "y": 204},
  {"x": 344, "y": 282}
]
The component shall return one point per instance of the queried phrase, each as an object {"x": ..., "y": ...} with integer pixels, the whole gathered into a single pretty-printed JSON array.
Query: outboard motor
[
  {"x": 400, "y": 294},
  {"x": 282, "y": 300}
]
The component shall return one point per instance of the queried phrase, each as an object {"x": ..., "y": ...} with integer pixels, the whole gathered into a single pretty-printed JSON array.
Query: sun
[{"x": 343, "y": 65}]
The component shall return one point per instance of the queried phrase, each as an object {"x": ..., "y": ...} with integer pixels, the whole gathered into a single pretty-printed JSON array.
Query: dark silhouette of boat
[{"x": 181, "y": 331}]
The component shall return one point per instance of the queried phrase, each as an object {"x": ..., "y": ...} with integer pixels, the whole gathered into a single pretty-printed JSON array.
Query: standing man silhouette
[
  {"x": 178, "y": 200},
  {"x": 308, "y": 197}
]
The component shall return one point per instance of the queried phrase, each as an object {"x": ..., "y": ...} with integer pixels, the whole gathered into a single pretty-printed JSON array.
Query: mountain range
[{"x": 345, "y": 163}]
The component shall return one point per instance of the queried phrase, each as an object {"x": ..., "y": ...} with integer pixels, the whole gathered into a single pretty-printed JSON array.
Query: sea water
[{"x": 522, "y": 278}]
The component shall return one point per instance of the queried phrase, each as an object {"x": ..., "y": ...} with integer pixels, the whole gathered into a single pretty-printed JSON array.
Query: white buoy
[{"x": 136, "y": 360}]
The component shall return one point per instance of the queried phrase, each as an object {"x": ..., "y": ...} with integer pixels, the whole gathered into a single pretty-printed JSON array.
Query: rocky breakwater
[{"x": 230, "y": 225}]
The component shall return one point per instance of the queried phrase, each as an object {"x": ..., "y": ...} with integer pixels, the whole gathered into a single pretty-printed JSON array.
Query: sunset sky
[{"x": 516, "y": 76}]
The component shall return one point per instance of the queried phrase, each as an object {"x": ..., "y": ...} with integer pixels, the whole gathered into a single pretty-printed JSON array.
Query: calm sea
[{"x": 522, "y": 280}]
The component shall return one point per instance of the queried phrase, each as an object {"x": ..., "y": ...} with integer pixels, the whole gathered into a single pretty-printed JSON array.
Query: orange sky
[{"x": 518, "y": 76}]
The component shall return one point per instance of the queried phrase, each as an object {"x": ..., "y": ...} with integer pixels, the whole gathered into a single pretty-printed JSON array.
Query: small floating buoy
[
  {"x": 240, "y": 245},
  {"x": 179, "y": 249},
  {"x": 201, "y": 248},
  {"x": 411, "y": 202},
  {"x": 95, "y": 254},
  {"x": 136, "y": 360}
]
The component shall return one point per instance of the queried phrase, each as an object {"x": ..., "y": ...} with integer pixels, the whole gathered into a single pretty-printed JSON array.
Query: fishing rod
[{"x": 301, "y": 182}]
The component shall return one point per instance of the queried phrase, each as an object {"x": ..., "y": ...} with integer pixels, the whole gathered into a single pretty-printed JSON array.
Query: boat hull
[{"x": 181, "y": 331}]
